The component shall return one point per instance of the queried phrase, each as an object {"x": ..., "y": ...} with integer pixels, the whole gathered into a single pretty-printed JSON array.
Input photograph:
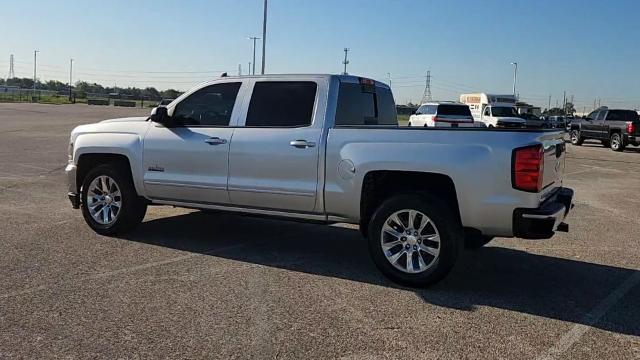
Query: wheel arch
[
  {"x": 379, "y": 185},
  {"x": 88, "y": 161}
]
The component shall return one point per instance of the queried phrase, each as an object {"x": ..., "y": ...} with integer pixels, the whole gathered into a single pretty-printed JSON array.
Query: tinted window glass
[
  {"x": 593, "y": 115},
  {"x": 209, "y": 106},
  {"x": 601, "y": 115},
  {"x": 622, "y": 115},
  {"x": 446, "y": 109},
  {"x": 486, "y": 111},
  {"x": 282, "y": 103},
  {"x": 503, "y": 111},
  {"x": 357, "y": 106}
]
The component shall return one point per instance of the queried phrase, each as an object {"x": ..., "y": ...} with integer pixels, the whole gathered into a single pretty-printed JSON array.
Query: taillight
[
  {"x": 528, "y": 167},
  {"x": 631, "y": 128},
  {"x": 435, "y": 119}
]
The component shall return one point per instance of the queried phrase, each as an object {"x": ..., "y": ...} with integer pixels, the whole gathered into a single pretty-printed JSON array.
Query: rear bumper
[
  {"x": 544, "y": 221},
  {"x": 74, "y": 197}
]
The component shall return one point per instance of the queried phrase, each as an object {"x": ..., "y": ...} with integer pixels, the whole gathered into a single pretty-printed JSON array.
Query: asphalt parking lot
[{"x": 193, "y": 285}]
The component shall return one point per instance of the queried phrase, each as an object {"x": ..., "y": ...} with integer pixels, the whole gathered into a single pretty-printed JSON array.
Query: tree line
[{"x": 82, "y": 88}]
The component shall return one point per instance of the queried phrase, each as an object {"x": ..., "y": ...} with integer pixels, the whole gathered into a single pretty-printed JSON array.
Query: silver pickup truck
[{"x": 324, "y": 148}]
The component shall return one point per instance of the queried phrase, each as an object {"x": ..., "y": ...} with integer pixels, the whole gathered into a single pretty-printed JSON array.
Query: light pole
[
  {"x": 70, "y": 77},
  {"x": 515, "y": 76},
  {"x": 254, "y": 52},
  {"x": 35, "y": 59},
  {"x": 264, "y": 35},
  {"x": 389, "y": 76}
]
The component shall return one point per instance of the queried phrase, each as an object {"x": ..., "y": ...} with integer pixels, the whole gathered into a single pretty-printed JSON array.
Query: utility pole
[
  {"x": 515, "y": 76},
  {"x": 254, "y": 53},
  {"x": 35, "y": 59},
  {"x": 426, "y": 96},
  {"x": 12, "y": 73},
  {"x": 70, "y": 77},
  {"x": 264, "y": 35},
  {"x": 389, "y": 76},
  {"x": 549, "y": 106},
  {"x": 346, "y": 60},
  {"x": 564, "y": 102},
  {"x": 239, "y": 69}
]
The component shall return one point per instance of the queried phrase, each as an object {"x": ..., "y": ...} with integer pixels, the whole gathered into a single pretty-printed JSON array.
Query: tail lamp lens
[{"x": 528, "y": 168}]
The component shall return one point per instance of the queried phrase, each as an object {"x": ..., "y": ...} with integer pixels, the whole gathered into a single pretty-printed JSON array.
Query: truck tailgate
[{"x": 554, "y": 162}]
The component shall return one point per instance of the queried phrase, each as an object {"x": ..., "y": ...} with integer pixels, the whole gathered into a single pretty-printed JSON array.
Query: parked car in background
[
  {"x": 533, "y": 121},
  {"x": 324, "y": 148},
  {"x": 493, "y": 110},
  {"x": 615, "y": 128},
  {"x": 442, "y": 114},
  {"x": 556, "y": 122}
]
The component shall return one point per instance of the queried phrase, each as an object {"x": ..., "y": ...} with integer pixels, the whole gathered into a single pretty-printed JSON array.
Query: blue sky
[{"x": 591, "y": 49}]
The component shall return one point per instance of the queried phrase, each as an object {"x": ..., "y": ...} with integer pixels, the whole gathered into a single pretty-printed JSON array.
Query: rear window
[
  {"x": 460, "y": 110},
  {"x": 359, "y": 105},
  {"x": 622, "y": 115}
]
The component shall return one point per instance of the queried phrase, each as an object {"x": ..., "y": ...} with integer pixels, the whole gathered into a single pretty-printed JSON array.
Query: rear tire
[
  {"x": 616, "y": 142},
  {"x": 409, "y": 124},
  {"x": 116, "y": 209},
  {"x": 433, "y": 239},
  {"x": 576, "y": 138}
]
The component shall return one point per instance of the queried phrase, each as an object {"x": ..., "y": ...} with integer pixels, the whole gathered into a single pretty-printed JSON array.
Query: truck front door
[
  {"x": 188, "y": 161},
  {"x": 274, "y": 154}
]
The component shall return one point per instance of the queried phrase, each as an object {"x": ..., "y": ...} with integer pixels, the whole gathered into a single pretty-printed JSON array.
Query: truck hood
[{"x": 127, "y": 119}]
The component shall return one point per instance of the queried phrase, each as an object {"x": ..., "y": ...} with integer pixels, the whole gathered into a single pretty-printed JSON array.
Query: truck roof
[{"x": 342, "y": 78}]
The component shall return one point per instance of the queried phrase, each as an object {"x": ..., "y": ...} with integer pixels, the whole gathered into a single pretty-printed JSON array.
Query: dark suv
[{"x": 615, "y": 128}]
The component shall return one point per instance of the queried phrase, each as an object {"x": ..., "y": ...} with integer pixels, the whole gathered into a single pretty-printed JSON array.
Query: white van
[{"x": 493, "y": 110}]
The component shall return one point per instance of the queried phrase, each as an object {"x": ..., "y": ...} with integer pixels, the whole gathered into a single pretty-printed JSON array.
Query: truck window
[
  {"x": 460, "y": 110},
  {"x": 503, "y": 111},
  {"x": 601, "y": 115},
  {"x": 592, "y": 115},
  {"x": 486, "y": 111},
  {"x": 209, "y": 106},
  {"x": 357, "y": 106},
  {"x": 622, "y": 115},
  {"x": 282, "y": 104}
]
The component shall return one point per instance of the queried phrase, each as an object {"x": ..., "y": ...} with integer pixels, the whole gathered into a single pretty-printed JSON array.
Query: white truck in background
[{"x": 494, "y": 110}]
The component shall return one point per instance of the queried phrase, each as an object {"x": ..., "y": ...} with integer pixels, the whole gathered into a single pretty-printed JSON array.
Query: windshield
[{"x": 503, "y": 111}]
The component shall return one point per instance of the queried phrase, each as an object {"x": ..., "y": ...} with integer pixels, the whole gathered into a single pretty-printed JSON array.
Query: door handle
[
  {"x": 301, "y": 144},
  {"x": 215, "y": 141}
]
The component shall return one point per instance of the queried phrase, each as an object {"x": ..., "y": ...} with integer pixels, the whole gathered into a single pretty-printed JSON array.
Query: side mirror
[{"x": 160, "y": 115}]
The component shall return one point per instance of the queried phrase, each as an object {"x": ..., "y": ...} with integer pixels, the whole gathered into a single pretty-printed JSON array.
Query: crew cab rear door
[{"x": 274, "y": 154}]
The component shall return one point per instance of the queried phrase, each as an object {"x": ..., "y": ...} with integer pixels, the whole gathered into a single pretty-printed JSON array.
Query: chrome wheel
[
  {"x": 574, "y": 137},
  {"x": 104, "y": 200},
  {"x": 410, "y": 241},
  {"x": 615, "y": 142}
]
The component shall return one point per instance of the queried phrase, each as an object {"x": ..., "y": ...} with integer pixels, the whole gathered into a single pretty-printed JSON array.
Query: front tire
[
  {"x": 414, "y": 239},
  {"x": 576, "y": 139},
  {"x": 616, "y": 142},
  {"x": 110, "y": 204}
]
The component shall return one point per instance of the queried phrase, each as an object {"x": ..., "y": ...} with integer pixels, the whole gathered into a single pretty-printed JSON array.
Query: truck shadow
[{"x": 503, "y": 278}]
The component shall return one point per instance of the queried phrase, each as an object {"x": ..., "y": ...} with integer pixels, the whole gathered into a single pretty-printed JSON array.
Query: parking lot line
[{"x": 591, "y": 318}]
